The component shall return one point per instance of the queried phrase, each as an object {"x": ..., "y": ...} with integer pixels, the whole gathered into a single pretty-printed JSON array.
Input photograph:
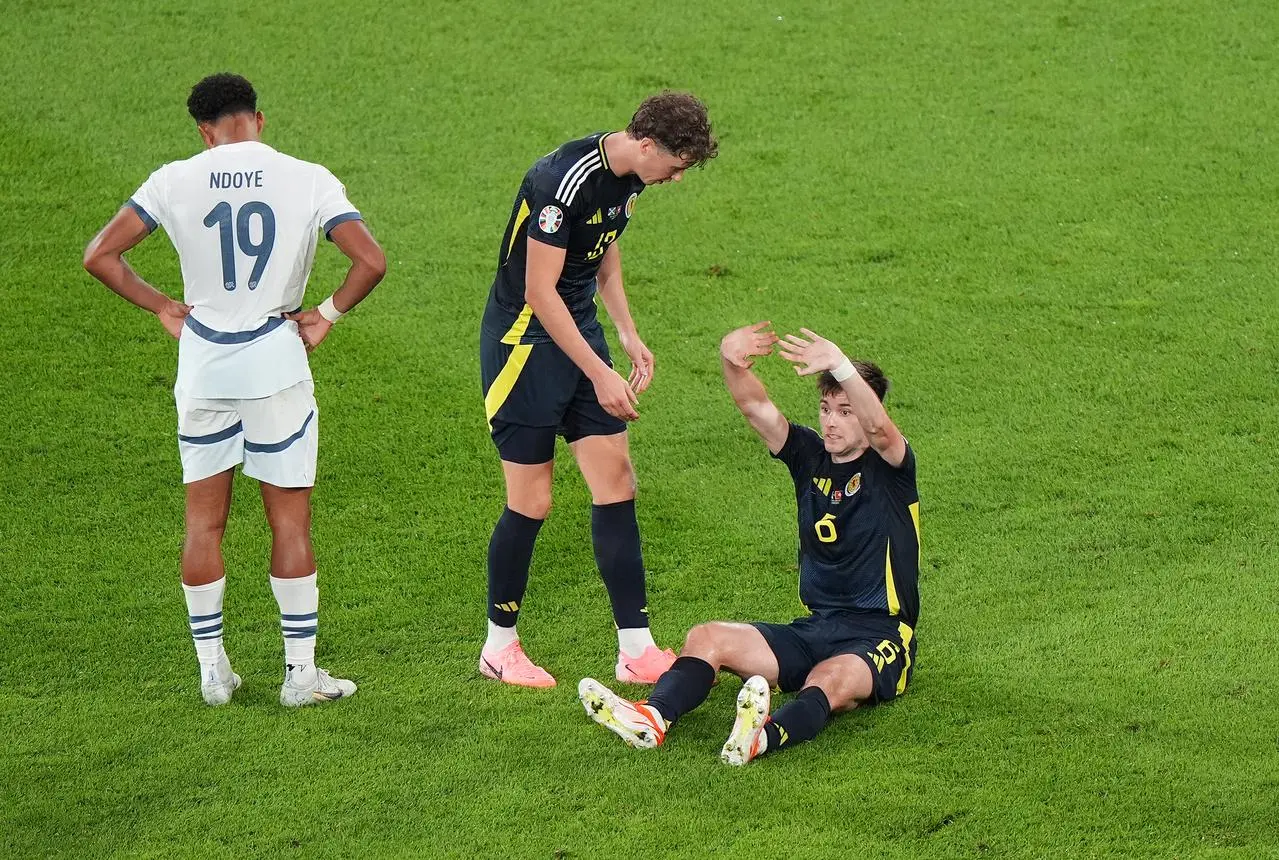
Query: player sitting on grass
[{"x": 858, "y": 567}]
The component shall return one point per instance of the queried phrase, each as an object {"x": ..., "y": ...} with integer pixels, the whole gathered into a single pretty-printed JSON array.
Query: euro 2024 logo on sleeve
[
  {"x": 630, "y": 205},
  {"x": 550, "y": 219}
]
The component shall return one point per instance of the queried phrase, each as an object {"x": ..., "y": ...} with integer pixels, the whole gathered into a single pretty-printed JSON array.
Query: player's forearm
[
  {"x": 360, "y": 280},
  {"x": 618, "y": 308},
  {"x": 119, "y": 277},
  {"x": 554, "y": 316},
  {"x": 368, "y": 263},
  {"x": 866, "y": 406},
  {"x": 746, "y": 389}
]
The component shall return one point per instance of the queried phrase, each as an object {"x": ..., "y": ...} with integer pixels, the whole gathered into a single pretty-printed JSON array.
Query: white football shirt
[{"x": 244, "y": 220}]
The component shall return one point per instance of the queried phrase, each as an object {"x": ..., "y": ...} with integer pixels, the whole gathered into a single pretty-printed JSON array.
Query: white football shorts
[{"x": 276, "y": 437}]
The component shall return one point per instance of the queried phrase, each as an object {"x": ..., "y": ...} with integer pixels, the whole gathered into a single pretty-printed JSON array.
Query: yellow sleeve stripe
[
  {"x": 914, "y": 516},
  {"x": 894, "y": 604}
]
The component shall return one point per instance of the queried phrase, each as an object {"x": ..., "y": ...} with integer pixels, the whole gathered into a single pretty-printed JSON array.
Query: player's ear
[
  {"x": 261, "y": 122},
  {"x": 206, "y": 133}
]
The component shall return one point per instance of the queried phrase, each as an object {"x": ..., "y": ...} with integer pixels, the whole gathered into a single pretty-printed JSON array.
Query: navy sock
[
  {"x": 800, "y": 719},
  {"x": 682, "y": 687},
  {"x": 615, "y": 534},
  {"x": 510, "y": 552}
]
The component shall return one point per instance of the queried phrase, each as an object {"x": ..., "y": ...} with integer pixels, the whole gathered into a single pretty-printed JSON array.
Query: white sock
[
  {"x": 499, "y": 638},
  {"x": 633, "y": 640},
  {"x": 299, "y": 600},
  {"x": 204, "y": 614}
]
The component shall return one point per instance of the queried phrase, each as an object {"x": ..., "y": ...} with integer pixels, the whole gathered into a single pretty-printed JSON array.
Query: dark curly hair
[
  {"x": 867, "y": 370},
  {"x": 678, "y": 122},
  {"x": 219, "y": 95}
]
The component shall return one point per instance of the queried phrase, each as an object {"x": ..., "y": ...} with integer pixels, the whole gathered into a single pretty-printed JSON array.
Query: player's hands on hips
[
  {"x": 172, "y": 316},
  {"x": 616, "y": 395},
  {"x": 642, "y": 365},
  {"x": 312, "y": 327},
  {"x": 741, "y": 345},
  {"x": 811, "y": 353}
]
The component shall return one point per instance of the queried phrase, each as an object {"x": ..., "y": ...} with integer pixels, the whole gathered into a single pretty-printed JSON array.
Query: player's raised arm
[
  {"x": 813, "y": 353},
  {"x": 542, "y": 273},
  {"x": 619, "y": 311},
  {"x": 737, "y": 352},
  {"x": 104, "y": 259}
]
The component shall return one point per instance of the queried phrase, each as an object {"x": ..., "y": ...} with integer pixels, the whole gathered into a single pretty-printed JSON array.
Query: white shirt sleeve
[
  {"x": 151, "y": 200},
  {"x": 330, "y": 202}
]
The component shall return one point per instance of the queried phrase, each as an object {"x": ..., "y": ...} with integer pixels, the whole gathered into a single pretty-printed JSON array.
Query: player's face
[
  {"x": 841, "y": 431},
  {"x": 658, "y": 166}
]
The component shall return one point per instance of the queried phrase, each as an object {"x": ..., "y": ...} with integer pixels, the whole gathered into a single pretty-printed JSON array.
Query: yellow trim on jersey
[
  {"x": 906, "y": 634},
  {"x": 505, "y": 382},
  {"x": 894, "y": 605},
  {"x": 603, "y": 154},
  {"x": 517, "y": 329},
  {"x": 520, "y": 218},
  {"x": 914, "y": 516}
]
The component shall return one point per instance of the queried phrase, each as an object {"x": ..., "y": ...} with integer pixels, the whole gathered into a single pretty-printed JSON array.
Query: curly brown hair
[
  {"x": 678, "y": 122},
  {"x": 867, "y": 370}
]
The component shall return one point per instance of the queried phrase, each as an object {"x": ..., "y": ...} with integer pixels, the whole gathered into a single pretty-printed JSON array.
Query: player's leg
[
  {"x": 837, "y": 684},
  {"x": 709, "y": 647},
  {"x": 862, "y": 671},
  {"x": 281, "y": 443},
  {"x": 602, "y": 449},
  {"x": 510, "y": 555},
  {"x": 525, "y": 389},
  {"x": 208, "y": 503},
  {"x": 210, "y": 443}
]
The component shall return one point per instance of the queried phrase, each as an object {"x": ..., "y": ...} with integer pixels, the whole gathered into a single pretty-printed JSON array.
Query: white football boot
[
  {"x": 634, "y": 722},
  {"x": 218, "y": 683},
  {"x": 309, "y": 685},
  {"x": 744, "y": 741}
]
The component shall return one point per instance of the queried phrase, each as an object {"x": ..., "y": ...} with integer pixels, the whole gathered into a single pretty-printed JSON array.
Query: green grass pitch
[{"x": 1051, "y": 221}]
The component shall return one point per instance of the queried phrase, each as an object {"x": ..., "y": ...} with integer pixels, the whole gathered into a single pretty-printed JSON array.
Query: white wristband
[
  {"x": 845, "y": 370},
  {"x": 329, "y": 311}
]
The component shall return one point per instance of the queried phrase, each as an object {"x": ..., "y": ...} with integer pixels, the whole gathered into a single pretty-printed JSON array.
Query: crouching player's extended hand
[
  {"x": 810, "y": 354},
  {"x": 740, "y": 346}
]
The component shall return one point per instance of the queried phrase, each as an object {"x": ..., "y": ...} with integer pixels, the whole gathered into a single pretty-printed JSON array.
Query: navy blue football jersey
[
  {"x": 858, "y": 529},
  {"x": 570, "y": 199}
]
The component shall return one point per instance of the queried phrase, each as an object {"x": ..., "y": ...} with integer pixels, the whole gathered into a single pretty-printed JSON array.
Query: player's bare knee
[
  {"x": 845, "y": 681},
  {"x": 706, "y": 642},
  {"x": 699, "y": 642},
  {"x": 532, "y": 505}
]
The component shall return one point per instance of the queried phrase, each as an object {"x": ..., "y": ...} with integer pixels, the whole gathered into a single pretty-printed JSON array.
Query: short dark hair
[
  {"x": 677, "y": 121},
  {"x": 220, "y": 95},
  {"x": 867, "y": 370}
]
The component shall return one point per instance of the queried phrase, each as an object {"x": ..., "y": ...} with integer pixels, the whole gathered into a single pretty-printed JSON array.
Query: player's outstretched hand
[
  {"x": 312, "y": 327},
  {"x": 173, "y": 316},
  {"x": 616, "y": 396},
  {"x": 740, "y": 345},
  {"x": 810, "y": 354},
  {"x": 642, "y": 364}
]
